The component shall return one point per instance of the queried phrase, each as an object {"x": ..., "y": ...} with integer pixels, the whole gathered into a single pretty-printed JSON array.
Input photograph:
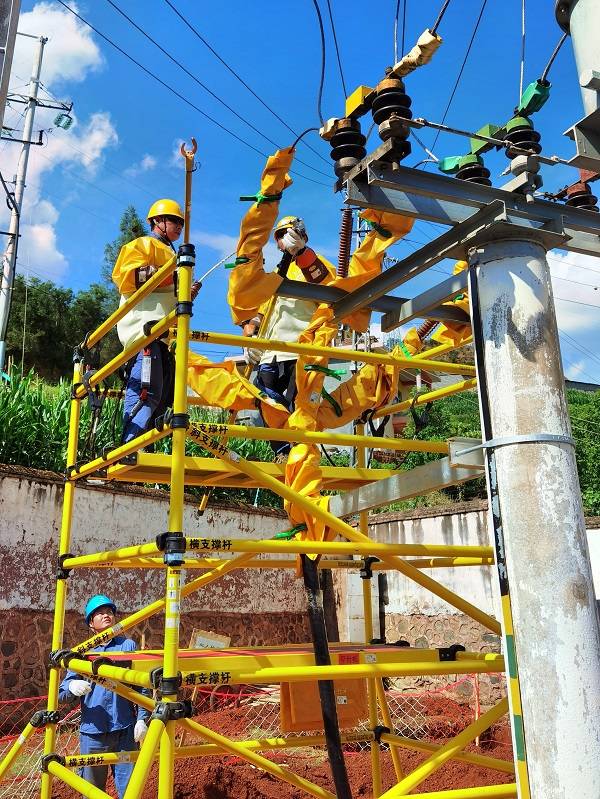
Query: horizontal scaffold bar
[
  {"x": 152, "y": 467},
  {"x": 311, "y": 437},
  {"x": 337, "y": 353},
  {"x": 201, "y": 750},
  {"x": 278, "y": 563},
  {"x": 428, "y": 396},
  {"x": 295, "y": 663},
  {"x": 205, "y": 544},
  {"x": 83, "y": 470}
]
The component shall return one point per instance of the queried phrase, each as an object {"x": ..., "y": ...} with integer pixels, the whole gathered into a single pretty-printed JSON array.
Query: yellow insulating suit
[
  {"x": 142, "y": 252},
  {"x": 221, "y": 385},
  {"x": 249, "y": 285},
  {"x": 455, "y": 332}
]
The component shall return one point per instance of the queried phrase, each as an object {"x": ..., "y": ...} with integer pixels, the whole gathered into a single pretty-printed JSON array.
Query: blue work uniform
[{"x": 107, "y": 722}]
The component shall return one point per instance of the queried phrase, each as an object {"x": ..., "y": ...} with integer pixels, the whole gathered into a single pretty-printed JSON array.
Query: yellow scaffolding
[{"x": 175, "y": 550}]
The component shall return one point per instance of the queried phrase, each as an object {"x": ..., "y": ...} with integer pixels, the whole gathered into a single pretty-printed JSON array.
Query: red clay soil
[{"x": 228, "y": 777}]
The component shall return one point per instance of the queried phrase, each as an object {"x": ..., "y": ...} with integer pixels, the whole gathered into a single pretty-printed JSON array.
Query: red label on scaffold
[{"x": 348, "y": 658}]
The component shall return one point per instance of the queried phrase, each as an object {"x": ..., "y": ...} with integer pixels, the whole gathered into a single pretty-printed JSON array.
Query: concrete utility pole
[
  {"x": 9, "y": 17},
  {"x": 537, "y": 517},
  {"x": 9, "y": 260},
  {"x": 580, "y": 18}
]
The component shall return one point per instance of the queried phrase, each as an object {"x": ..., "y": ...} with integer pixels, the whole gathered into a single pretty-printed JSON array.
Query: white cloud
[
  {"x": 147, "y": 163},
  {"x": 573, "y": 371},
  {"x": 70, "y": 53},
  {"x": 222, "y": 243},
  {"x": 41, "y": 253},
  {"x": 584, "y": 269}
]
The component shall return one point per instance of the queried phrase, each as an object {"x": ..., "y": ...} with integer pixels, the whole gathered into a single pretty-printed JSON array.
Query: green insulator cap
[
  {"x": 534, "y": 97},
  {"x": 469, "y": 159},
  {"x": 518, "y": 122},
  {"x": 449, "y": 164}
]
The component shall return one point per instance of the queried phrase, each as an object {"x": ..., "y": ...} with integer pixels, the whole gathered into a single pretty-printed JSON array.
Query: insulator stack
[
  {"x": 425, "y": 329},
  {"x": 347, "y": 146},
  {"x": 345, "y": 241},
  {"x": 579, "y": 195},
  {"x": 473, "y": 170},
  {"x": 390, "y": 107},
  {"x": 520, "y": 133}
]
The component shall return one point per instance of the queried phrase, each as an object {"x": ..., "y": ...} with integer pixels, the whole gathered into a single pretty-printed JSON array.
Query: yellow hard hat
[
  {"x": 287, "y": 222},
  {"x": 165, "y": 208}
]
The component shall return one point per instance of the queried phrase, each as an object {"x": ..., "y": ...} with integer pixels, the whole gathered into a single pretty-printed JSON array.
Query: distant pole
[
  {"x": 581, "y": 18},
  {"x": 9, "y": 260},
  {"x": 9, "y": 17}
]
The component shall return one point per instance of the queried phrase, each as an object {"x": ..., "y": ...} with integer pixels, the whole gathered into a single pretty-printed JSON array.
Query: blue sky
[{"x": 122, "y": 148}]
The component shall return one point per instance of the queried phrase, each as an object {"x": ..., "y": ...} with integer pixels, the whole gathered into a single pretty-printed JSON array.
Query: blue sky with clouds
[{"x": 123, "y": 146}]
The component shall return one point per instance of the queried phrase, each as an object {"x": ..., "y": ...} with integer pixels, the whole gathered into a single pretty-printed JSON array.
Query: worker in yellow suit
[
  {"x": 276, "y": 375},
  {"x": 149, "y": 374}
]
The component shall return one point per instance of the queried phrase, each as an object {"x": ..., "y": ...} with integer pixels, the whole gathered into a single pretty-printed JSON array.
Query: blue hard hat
[{"x": 98, "y": 601}]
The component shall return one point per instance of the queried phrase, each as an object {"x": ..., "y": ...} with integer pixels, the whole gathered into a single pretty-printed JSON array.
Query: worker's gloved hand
[
  {"x": 139, "y": 731},
  {"x": 79, "y": 687},
  {"x": 293, "y": 242},
  {"x": 252, "y": 356},
  {"x": 196, "y": 286}
]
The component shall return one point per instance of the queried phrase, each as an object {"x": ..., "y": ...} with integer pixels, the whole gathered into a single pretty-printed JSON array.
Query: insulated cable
[
  {"x": 301, "y": 136},
  {"x": 239, "y": 78},
  {"x": 522, "y": 49},
  {"x": 396, "y": 15},
  {"x": 203, "y": 85},
  {"x": 339, "y": 60},
  {"x": 440, "y": 16},
  {"x": 175, "y": 92},
  {"x": 322, "y": 80},
  {"x": 462, "y": 68},
  {"x": 552, "y": 57}
]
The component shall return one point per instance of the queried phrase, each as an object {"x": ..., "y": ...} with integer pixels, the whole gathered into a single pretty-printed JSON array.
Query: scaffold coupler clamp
[
  {"x": 174, "y": 546},
  {"x": 166, "y": 686},
  {"x": 60, "y": 658},
  {"x": 43, "y": 717},
  {"x": 61, "y": 572},
  {"x": 52, "y": 757},
  {"x": 366, "y": 572},
  {"x": 186, "y": 254},
  {"x": 172, "y": 711},
  {"x": 450, "y": 652},
  {"x": 380, "y": 730}
]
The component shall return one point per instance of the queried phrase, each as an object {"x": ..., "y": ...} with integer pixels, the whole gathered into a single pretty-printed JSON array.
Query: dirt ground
[{"x": 228, "y": 777}]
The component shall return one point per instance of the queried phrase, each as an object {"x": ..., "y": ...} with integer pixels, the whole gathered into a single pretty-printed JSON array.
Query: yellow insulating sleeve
[
  {"x": 454, "y": 332},
  {"x": 143, "y": 251},
  {"x": 372, "y": 387},
  {"x": 302, "y": 474},
  {"x": 367, "y": 260},
  {"x": 249, "y": 285},
  {"x": 221, "y": 385},
  {"x": 412, "y": 341},
  {"x": 421, "y": 53}
]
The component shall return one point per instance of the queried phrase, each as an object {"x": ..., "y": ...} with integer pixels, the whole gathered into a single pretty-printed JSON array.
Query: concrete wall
[{"x": 252, "y": 606}]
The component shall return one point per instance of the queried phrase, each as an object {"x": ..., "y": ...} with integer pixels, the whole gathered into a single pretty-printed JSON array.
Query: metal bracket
[
  {"x": 172, "y": 711},
  {"x": 53, "y": 757},
  {"x": 165, "y": 685},
  {"x": 43, "y": 717},
  {"x": 586, "y": 135},
  {"x": 366, "y": 572},
  {"x": 61, "y": 572},
  {"x": 173, "y": 545},
  {"x": 449, "y": 652},
  {"x": 379, "y": 731},
  {"x": 473, "y": 459},
  {"x": 60, "y": 658},
  {"x": 526, "y": 438}
]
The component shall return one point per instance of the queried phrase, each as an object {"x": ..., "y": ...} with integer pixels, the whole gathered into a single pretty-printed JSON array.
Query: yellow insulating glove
[{"x": 249, "y": 285}]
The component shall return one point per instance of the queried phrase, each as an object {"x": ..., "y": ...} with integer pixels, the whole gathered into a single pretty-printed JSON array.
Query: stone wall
[{"x": 251, "y": 606}]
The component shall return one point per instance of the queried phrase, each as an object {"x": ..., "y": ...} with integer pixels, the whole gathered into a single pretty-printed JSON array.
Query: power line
[
  {"x": 175, "y": 92},
  {"x": 578, "y": 302},
  {"x": 322, "y": 78},
  {"x": 239, "y": 78},
  {"x": 579, "y": 346},
  {"x": 462, "y": 68},
  {"x": 522, "y": 70},
  {"x": 337, "y": 51},
  {"x": 204, "y": 86}
]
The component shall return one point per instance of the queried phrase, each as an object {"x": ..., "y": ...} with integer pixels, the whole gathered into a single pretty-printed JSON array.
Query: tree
[
  {"x": 131, "y": 227},
  {"x": 88, "y": 310},
  {"x": 42, "y": 325}
]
